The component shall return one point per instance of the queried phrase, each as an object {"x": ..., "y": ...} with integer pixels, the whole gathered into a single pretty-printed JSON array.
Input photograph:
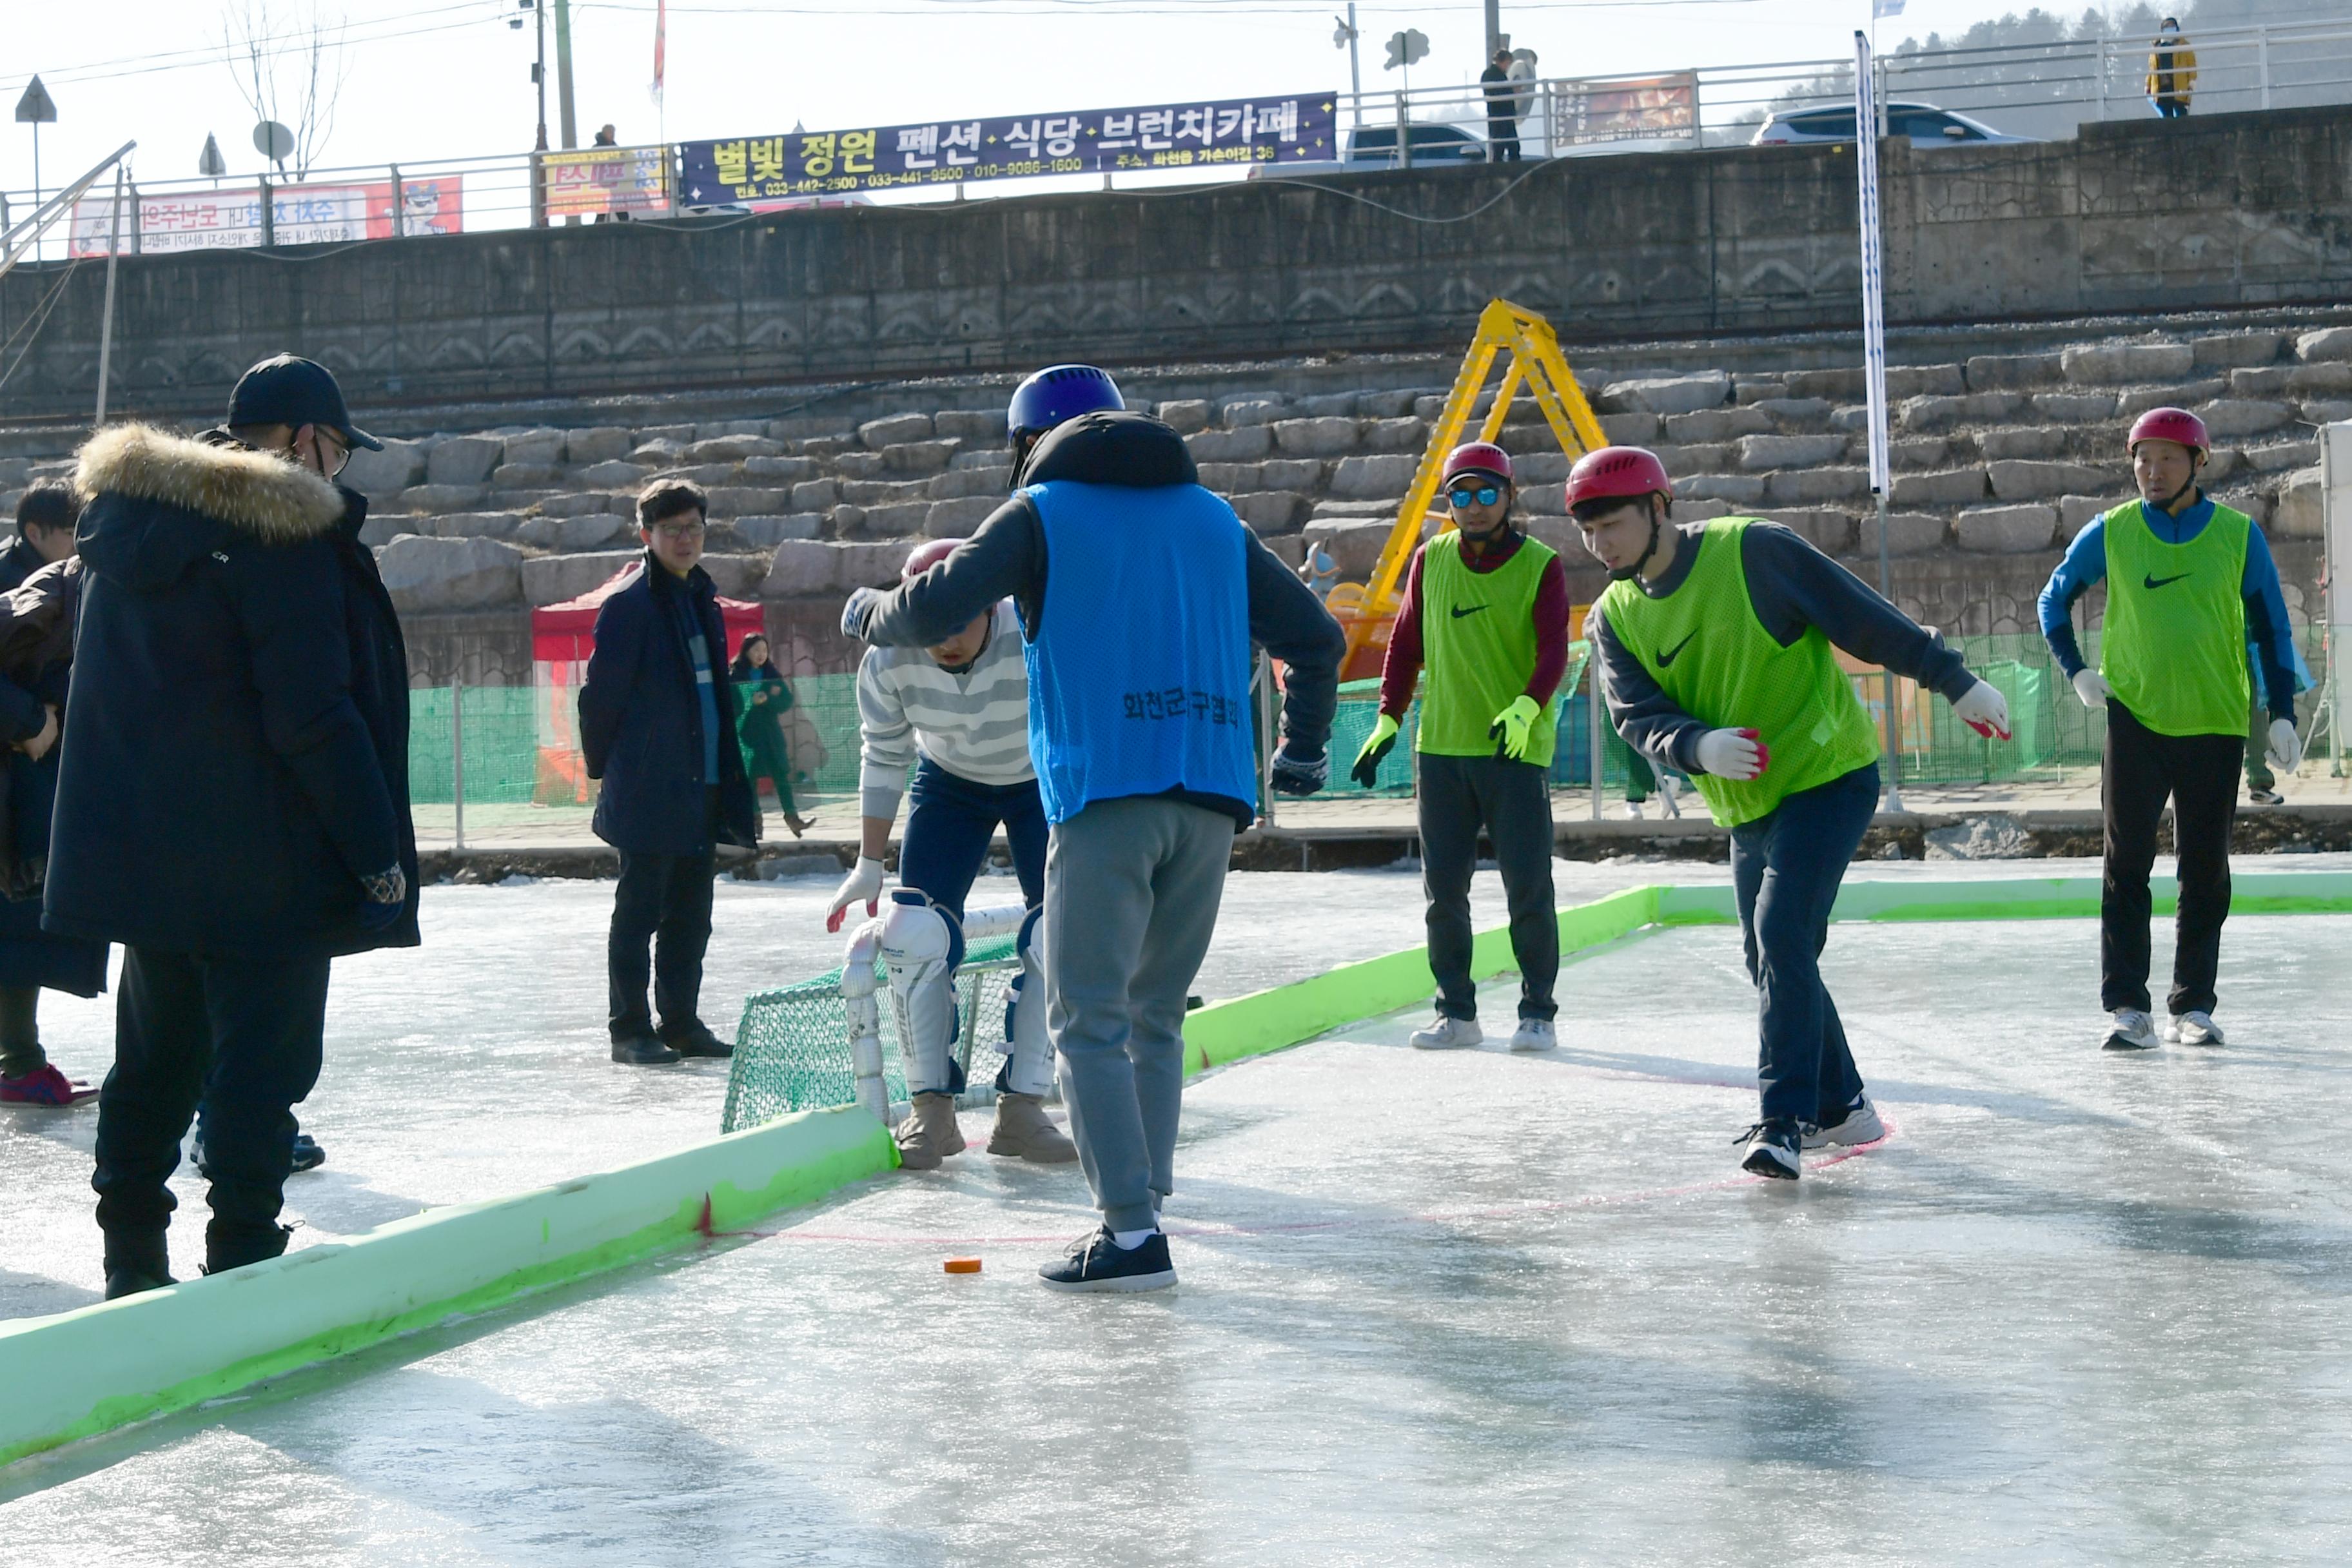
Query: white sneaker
[
  {"x": 1633, "y": 810},
  {"x": 1533, "y": 1035},
  {"x": 1445, "y": 1034},
  {"x": 2193, "y": 1028},
  {"x": 2129, "y": 1029},
  {"x": 1860, "y": 1125}
]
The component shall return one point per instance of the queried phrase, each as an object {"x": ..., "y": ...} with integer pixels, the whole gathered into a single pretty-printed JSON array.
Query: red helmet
[
  {"x": 1476, "y": 457},
  {"x": 926, "y": 555},
  {"x": 2170, "y": 425},
  {"x": 1617, "y": 471}
]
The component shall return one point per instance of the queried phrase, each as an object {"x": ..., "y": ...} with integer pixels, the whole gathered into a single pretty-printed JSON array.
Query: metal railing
[{"x": 2041, "y": 90}]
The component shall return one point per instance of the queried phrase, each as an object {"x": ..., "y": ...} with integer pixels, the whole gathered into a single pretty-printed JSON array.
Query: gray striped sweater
[{"x": 974, "y": 724}]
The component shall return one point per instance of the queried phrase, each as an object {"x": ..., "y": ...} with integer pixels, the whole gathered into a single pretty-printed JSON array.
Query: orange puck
[{"x": 961, "y": 1266}]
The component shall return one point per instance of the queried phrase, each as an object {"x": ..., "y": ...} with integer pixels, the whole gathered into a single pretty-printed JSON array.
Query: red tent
[{"x": 562, "y": 638}]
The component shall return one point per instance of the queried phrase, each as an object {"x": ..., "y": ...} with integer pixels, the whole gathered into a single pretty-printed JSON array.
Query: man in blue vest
[{"x": 1140, "y": 594}]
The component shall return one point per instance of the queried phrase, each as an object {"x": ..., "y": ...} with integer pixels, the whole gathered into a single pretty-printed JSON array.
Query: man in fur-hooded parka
[{"x": 236, "y": 785}]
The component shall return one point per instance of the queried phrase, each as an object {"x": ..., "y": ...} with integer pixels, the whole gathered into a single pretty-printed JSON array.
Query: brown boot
[
  {"x": 929, "y": 1133},
  {"x": 1023, "y": 1128}
]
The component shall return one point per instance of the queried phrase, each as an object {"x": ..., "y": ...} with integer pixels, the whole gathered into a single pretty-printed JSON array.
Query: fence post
[
  {"x": 458, "y": 759},
  {"x": 268, "y": 214},
  {"x": 1262, "y": 689},
  {"x": 1404, "y": 133},
  {"x": 399, "y": 206},
  {"x": 2102, "y": 69},
  {"x": 2262, "y": 61}
]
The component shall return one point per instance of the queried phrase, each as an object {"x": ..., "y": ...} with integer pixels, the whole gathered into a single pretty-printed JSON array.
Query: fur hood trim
[{"x": 276, "y": 501}]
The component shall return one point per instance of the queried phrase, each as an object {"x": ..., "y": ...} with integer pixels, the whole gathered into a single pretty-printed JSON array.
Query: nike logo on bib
[
  {"x": 2149, "y": 579},
  {"x": 1668, "y": 657},
  {"x": 1461, "y": 610}
]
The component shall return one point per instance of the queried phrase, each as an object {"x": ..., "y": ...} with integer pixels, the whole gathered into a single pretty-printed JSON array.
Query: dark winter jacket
[
  {"x": 18, "y": 562},
  {"x": 239, "y": 710},
  {"x": 640, "y": 721},
  {"x": 36, "y": 626}
]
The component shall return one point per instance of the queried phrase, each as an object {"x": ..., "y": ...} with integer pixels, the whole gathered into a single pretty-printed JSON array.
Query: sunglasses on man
[{"x": 1485, "y": 495}]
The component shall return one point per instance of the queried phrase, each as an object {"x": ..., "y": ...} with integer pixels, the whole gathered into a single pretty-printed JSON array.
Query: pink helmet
[
  {"x": 1614, "y": 472},
  {"x": 1476, "y": 457},
  {"x": 926, "y": 555},
  {"x": 2177, "y": 424}
]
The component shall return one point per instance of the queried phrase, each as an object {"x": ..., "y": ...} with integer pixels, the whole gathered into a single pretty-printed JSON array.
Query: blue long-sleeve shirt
[{"x": 2267, "y": 629}]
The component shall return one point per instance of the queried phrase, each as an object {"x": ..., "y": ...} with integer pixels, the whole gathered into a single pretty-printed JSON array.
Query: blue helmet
[{"x": 1056, "y": 394}]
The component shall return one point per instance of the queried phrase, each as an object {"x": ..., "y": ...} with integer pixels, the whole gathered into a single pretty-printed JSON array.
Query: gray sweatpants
[{"x": 1131, "y": 892}]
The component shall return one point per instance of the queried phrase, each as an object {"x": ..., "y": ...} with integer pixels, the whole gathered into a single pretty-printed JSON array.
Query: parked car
[
  {"x": 1926, "y": 125},
  {"x": 1375, "y": 146}
]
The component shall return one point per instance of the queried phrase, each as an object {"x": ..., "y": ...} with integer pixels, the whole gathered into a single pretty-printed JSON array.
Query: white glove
[
  {"x": 2093, "y": 687},
  {"x": 1740, "y": 754},
  {"x": 2286, "y": 746},
  {"x": 1983, "y": 709},
  {"x": 862, "y": 882}
]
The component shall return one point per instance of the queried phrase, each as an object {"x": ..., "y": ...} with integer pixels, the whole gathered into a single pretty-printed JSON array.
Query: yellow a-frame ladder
[{"x": 1535, "y": 363}]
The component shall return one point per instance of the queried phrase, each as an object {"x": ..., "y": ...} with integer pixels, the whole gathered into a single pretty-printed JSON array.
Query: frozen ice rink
[{"x": 1452, "y": 1308}]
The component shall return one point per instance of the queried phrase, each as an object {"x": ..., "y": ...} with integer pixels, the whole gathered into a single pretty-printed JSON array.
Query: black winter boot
[
  {"x": 136, "y": 1261},
  {"x": 228, "y": 1246}
]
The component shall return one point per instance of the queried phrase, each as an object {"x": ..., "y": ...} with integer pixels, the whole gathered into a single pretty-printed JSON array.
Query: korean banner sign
[
  {"x": 633, "y": 180},
  {"x": 1239, "y": 131},
  {"x": 300, "y": 215}
]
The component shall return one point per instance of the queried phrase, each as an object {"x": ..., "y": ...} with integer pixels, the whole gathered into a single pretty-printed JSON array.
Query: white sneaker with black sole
[
  {"x": 2129, "y": 1029},
  {"x": 1445, "y": 1034},
  {"x": 1856, "y": 1125},
  {"x": 2193, "y": 1028},
  {"x": 1770, "y": 1148},
  {"x": 1096, "y": 1262},
  {"x": 1533, "y": 1035}
]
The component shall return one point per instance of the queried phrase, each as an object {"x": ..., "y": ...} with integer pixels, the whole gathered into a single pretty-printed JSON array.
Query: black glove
[{"x": 1298, "y": 774}]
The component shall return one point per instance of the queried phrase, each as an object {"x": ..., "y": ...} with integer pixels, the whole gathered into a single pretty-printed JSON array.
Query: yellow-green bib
[
  {"x": 1706, "y": 650},
  {"x": 1478, "y": 648},
  {"x": 2175, "y": 644}
]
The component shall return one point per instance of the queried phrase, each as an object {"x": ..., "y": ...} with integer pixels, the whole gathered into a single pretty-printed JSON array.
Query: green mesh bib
[
  {"x": 1706, "y": 650},
  {"x": 1478, "y": 647},
  {"x": 2175, "y": 644}
]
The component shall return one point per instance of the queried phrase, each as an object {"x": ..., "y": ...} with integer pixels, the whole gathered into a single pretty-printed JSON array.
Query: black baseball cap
[{"x": 293, "y": 391}]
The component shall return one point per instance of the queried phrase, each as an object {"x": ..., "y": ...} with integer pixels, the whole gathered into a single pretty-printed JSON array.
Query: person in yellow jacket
[{"x": 2171, "y": 71}]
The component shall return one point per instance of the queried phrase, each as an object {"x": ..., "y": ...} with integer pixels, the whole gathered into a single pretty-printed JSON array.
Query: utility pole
[
  {"x": 539, "y": 70},
  {"x": 1345, "y": 36},
  {"x": 1494, "y": 30},
  {"x": 564, "y": 73}
]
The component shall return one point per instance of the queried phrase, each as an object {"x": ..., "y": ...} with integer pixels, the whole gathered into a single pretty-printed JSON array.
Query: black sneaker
[
  {"x": 307, "y": 1155},
  {"x": 642, "y": 1051},
  {"x": 1098, "y": 1263},
  {"x": 1770, "y": 1148},
  {"x": 697, "y": 1040}
]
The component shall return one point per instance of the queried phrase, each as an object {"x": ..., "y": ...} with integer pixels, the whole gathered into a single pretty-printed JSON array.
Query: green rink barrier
[{"x": 81, "y": 1374}]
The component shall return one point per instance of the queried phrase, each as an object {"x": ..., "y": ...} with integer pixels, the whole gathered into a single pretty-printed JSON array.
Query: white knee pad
[
  {"x": 1028, "y": 1051},
  {"x": 922, "y": 949}
]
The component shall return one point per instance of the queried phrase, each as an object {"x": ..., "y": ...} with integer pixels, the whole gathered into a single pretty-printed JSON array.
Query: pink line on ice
[{"x": 1350, "y": 1222}]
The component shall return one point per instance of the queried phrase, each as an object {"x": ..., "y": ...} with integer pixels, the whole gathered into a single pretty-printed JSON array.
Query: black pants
[
  {"x": 1512, "y": 801},
  {"x": 20, "y": 1031},
  {"x": 242, "y": 1038},
  {"x": 2172, "y": 108},
  {"x": 2199, "y": 774},
  {"x": 1502, "y": 139},
  {"x": 663, "y": 903},
  {"x": 1785, "y": 871}
]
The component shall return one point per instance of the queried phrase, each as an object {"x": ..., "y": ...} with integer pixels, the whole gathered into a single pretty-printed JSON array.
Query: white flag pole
[{"x": 1873, "y": 365}]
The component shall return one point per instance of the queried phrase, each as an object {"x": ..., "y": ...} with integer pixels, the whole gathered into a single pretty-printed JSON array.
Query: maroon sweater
[{"x": 1402, "y": 667}]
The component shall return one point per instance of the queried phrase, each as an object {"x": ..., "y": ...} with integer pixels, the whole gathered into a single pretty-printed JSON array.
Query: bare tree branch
[{"x": 307, "y": 46}]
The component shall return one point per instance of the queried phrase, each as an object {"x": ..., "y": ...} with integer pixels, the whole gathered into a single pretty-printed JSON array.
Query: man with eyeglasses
[
  {"x": 657, "y": 726},
  {"x": 233, "y": 802},
  {"x": 1485, "y": 607}
]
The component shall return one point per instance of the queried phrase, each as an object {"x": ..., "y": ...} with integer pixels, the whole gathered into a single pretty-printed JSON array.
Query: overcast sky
[{"x": 439, "y": 78}]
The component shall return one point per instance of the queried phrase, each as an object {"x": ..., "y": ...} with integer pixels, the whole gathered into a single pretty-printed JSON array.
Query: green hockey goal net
[{"x": 793, "y": 1048}]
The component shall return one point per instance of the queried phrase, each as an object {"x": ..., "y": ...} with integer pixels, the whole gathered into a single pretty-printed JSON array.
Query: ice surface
[{"x": 1452, "y": 1308}]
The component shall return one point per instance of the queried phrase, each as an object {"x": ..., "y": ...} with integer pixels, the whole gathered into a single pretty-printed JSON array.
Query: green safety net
[
  {"x": 517, "y": 753},
  {"x": 793, "y": 1050}
]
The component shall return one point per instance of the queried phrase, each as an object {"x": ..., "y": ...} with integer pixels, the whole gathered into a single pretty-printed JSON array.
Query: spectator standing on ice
[
  {"x": 957, "y": 713},
  {"x": 1139, "y": 594},
  {"x": 33, "y": 684},
  {"x": 657, "y": 726},
  {"x": 2171, "y": 72},
  {"x": 233, "y": 798},
  {"x": 762, "y": 698},
  {"x": 2190, "y": 586},
  {"x": 1715, "y": 646},
  {"x": 1502, "y": 110},
  {"x": 1485, "y": 609}
]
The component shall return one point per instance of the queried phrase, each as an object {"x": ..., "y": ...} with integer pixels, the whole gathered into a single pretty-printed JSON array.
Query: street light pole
[
  {"x": 1493, "y": 28},
  {"x": 564, "y": 73}
]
